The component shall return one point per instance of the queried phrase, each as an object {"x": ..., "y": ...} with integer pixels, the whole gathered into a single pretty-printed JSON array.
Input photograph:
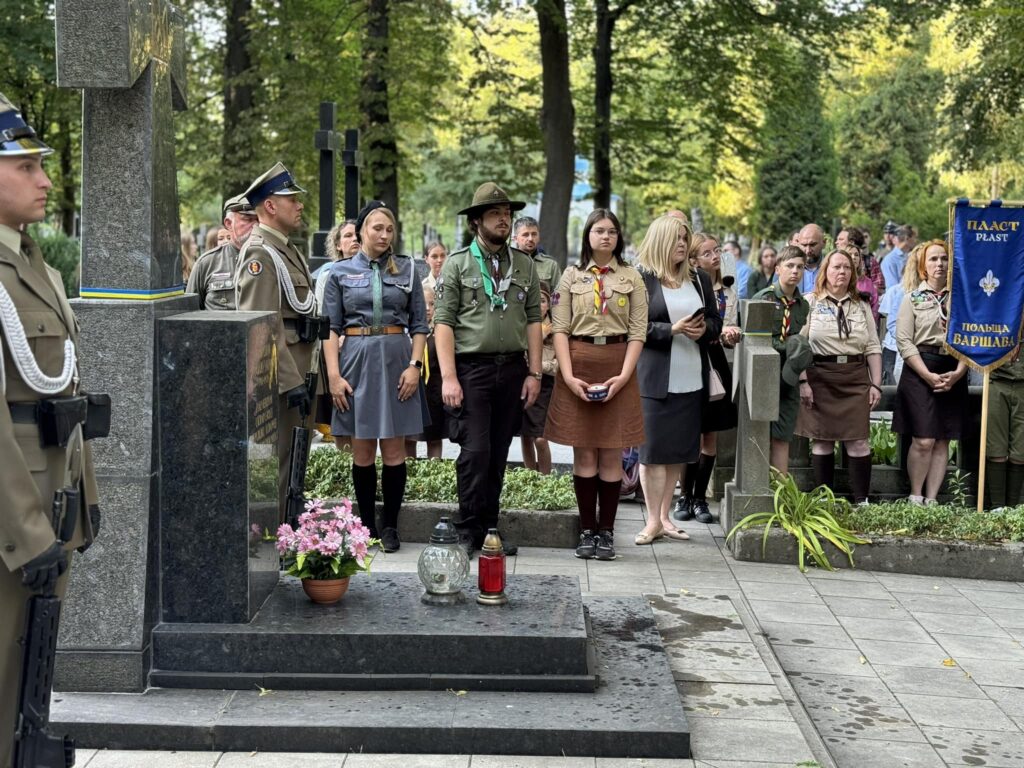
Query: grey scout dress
[{"x": 373, "y": 365}]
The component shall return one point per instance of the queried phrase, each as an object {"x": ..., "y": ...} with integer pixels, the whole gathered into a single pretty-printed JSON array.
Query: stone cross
[
  {"x": 756, "y": 394},
  {"x": 128, "y": 57},
  {"x": 325, "y": 140},
  {"x": 352, "y": 159}
]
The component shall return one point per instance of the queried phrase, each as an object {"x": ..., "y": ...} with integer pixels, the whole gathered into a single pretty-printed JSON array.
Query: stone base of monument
[{"x": 634, "y": 710}]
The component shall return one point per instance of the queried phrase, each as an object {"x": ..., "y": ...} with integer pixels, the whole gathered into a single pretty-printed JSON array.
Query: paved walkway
[{"x": 777, "y": 668}]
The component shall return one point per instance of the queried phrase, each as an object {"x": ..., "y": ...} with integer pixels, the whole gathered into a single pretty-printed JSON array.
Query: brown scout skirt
[
  {"x": 841, "y": 409},
  {"x": 920, "y": 412},
  {"x": 615, "y": 424}
]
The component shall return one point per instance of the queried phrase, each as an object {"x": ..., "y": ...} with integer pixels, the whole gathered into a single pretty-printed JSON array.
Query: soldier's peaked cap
[
  {"x": 487, "y": 195},
  {"x": 16, "y": 136},
  {"x": 277, "y": 181},
  {"x": 237, "y": 204}
]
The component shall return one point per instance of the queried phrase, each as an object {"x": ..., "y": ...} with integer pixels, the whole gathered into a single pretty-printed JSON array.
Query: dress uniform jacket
[
  {"x": 213, "y": 277},
  {"x": 30, "y": 474}
]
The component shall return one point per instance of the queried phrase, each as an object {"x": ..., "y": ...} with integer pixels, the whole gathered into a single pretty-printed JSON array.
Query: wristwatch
[
  {"x": 537, "y": 375},
  {"x": 416, "y": 364}
]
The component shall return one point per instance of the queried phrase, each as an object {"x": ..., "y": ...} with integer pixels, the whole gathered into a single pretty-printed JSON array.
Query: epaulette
[{"x": 210, "y": 252}]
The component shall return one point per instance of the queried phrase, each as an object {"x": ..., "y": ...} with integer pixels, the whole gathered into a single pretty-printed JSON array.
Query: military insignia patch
[
  {"x": 622, "y": 301},
  {"x": 555, "y": 298},
  {"x": 439, "y": 288},
  {"x": 254, "y": 268},
  {"x": 521, "y": 296}
]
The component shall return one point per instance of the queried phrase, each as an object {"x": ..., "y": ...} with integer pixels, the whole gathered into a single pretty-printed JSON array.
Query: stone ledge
[{"x": 889, "y": 554}]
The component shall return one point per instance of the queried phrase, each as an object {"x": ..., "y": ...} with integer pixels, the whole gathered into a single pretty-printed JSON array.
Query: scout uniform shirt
[
  {"x": 257, "y": 288},
  {"x": 480, "y": 325},
  {"x": 798, "y": 310},
  {"x": 857, "y": 334},
  {"x": 213, "y": 277},
  {"x": 29, "y": 473},
  {"x": 921, "y": 320},
  {"x": 576, "y": 307}
]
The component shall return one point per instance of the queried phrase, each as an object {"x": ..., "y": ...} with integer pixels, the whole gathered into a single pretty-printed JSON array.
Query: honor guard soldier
[
  {"x": 273, "y": 275},
  {"x": 487, "y": 313},
  {"x": 213, "y": 276},
  {"x": 48, "y": 500}
]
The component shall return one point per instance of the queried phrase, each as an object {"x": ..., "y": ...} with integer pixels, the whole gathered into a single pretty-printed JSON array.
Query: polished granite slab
[{"x": 635, "y": 712}]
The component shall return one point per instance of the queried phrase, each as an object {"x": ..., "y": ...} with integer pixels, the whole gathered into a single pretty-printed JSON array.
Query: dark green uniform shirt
[
  {"x": 1010, "y": 371},
  {"x": 547, "y": 270},
  {"x": 462, "y": 303},
  {"x": 797, "y": 314}
]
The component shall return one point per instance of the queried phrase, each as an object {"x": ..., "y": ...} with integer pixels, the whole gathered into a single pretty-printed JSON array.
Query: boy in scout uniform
[
  {"x": 487, "y": 313},
  {"x": 790, "y": 316},
  {"x": 213, "y": 276},
  {"x": 39, "y": 337},
  {"x": 1005, "y": 439},
  {"x": 273, "y": 275}
]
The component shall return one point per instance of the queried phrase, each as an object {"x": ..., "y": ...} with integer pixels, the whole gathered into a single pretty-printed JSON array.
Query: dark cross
[
  {"x": 132, "y": 80},
  {"x": 326, "y": 140},
  {"x": 352, "y": 159}
]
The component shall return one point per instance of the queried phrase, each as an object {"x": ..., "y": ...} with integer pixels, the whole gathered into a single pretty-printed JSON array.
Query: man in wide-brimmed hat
[{"x": 487, "y": 313}]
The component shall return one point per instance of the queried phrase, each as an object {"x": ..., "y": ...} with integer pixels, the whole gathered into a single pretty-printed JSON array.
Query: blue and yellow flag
[{"x": 986, "y": 281}]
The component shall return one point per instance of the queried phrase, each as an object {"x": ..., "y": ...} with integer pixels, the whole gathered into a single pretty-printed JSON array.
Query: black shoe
[
  {"x": 588, "y": 545},
  {"x": 389, "y": 540},
  {"x": 701, "y": 513},
  {"x": 510, "y": 550},
  {"x": 683, "y": 509},
  {"x": 605, "y": 546}
]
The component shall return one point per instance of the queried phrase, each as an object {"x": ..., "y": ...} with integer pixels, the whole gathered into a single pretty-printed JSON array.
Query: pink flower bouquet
[{"x": 328, "y": 543}]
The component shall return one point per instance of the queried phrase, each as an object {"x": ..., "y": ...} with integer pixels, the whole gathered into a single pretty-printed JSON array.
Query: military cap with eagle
[
  {"x": 237, "y": 204},
  {"x": 16, "y": 136},
  {"x": 277, "y": 181},
  {"x": 489, "y": 194}
]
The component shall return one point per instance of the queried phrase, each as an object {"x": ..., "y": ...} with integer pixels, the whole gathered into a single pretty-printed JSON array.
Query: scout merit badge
[{"x": 495, "y": 291}]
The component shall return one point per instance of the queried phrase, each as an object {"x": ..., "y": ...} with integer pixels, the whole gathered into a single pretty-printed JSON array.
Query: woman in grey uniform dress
[{"x": 374, "y": 356}]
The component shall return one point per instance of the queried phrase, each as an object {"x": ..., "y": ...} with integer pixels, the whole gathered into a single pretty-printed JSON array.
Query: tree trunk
[
  {"x": 237, "y": 151},
  {"x": 603, "y": 103},
  {"x": 557, "y": 120},
  {"x": 380, "y": 144}
]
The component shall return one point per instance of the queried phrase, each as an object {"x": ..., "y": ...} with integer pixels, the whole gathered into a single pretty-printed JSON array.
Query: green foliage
[
  {"x": 64, "y": 254},
  {"x": 959, "y": 487},
  {"x": 937, "y": 521},
  {"x": 263, "y": 479},
  {"x": 809, "y": 517},
  {"x": 884, "y": 443},
  {"x": 329, "y": 476}
]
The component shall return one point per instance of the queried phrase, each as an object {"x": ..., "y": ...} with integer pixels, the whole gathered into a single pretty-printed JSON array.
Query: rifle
[
  {"x": 295, "y": 503},
  {"x": 33, "y": 746}
]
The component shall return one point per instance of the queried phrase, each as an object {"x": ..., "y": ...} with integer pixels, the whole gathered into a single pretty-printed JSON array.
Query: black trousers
[{"x": 484, "y": 426}]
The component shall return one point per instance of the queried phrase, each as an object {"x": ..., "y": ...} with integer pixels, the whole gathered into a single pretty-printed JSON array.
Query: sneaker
[
  {"x": 605, "y": 545},
  {"x": 917, "y": 501},
  {"x": 701, "y": 512},
  {"x": 389, "y": 540},
  {"x": 588, "y": 545},
  {"x": 683, "y": 509}
]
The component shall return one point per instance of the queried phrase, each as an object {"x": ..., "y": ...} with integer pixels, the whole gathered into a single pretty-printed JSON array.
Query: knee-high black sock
[
  {"x": 824, "y": 468},
  {"x": 859, "y": 471},
  {"x": 705, "y": 466},
  {"x": 689, "y": 478},
  {"x": 1014, "y": 478},
  {"x": 586, "y": 500},
  {"x": 995, "y": 484},
  {"x": 392, "y": 482},
  {"x": 608, "y": 498},
  {"x": 364, "y": 479}
]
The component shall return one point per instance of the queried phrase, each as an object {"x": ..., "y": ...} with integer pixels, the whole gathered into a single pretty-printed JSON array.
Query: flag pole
[{"x": 984, "y": 438}]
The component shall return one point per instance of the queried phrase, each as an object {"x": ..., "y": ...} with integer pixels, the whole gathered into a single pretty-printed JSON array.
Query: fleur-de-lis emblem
[{"x": 989, "y": 283}]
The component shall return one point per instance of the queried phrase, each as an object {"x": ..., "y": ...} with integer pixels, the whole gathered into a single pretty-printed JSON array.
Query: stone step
[
  {"x": 635, "y": 712},
  {"x": 380, "y": 636}
]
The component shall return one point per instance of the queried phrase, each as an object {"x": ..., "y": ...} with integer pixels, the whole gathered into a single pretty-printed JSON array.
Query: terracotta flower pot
[{"x": 325, "y": 591}]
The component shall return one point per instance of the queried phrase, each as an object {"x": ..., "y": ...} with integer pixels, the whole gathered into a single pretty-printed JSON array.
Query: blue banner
[{"x": 986, "y": 281}]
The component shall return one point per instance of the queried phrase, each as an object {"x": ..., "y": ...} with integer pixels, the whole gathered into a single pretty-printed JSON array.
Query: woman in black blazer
[{"x": 673, "y": 367}]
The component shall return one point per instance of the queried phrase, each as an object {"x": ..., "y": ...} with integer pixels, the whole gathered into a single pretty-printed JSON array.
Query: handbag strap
[{"x": 704, "y": 303}]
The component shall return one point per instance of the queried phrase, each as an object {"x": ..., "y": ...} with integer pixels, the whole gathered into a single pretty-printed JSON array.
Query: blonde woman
[{"x": 682, "y": 321}]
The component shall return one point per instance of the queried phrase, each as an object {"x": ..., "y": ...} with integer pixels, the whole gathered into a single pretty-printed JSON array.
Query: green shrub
[
  {"x": 884, "y": 443},
  {"x": 64, "y": 254},
  {"x": 329, "y": 476},
  {"x": 938, "y": 521}
]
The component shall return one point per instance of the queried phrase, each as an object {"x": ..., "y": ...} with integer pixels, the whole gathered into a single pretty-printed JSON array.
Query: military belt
[
  {"x": 932, "y": 349},
  {"x": 24, "y": 413},
  {"x": 369, "y": 330},
  {"x": 841, "y": 359},
  {"x": 602, "y": 340}
]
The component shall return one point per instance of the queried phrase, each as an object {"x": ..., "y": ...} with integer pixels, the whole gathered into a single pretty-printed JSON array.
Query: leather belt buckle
[
  {"x": 841, "y": 358},
  {"x": 599, "y": 340},
  {"x": 375, "y": 330}
]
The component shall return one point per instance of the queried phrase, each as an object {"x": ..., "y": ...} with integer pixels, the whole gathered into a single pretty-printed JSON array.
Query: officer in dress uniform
[
  {"x": 213, "y": 276},
  {"x": 38, "y": 364},
  {"x": 273, "y": 275},
  {"x": 487, "y": 313}
]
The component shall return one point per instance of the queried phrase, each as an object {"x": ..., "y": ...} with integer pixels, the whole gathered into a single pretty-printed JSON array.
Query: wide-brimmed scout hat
[
  {"x": 798, "y": 359},
  {"x": 237, "y": 204},
  {"x": 277, "y": 181},
  {"x": 489, "y": 194},
  {"x": 17, "y": 138}
]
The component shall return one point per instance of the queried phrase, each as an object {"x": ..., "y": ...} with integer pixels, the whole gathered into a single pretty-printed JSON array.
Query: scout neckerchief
[
  {"x": 787, "y": 311},
  {"x": 939, "y": 297},
  {"x": 495, "y": 291},
  {"x": 842, "y": 321},
  {"x": 600, "y": 300}
]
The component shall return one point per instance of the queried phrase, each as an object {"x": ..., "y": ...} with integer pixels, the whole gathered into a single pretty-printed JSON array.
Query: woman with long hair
[
  {"x": 599, "y": 322},
  {"x": 763, "y": 276},
  {"x": 682, "y": 321}
]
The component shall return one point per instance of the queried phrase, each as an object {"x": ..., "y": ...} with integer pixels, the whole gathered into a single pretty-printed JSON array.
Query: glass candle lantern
[
  {"x": 443, "y": 566},
  {"x": 492, "y": 571}
]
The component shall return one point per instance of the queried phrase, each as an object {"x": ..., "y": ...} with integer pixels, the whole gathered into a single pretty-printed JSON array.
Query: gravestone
[
  {"x": 218, "y": 447},
  {"x": 756, "y": 394},
  {"x": 128, "y": 57}
]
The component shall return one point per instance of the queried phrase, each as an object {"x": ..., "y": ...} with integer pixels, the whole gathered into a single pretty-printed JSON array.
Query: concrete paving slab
[
  {"x": 948, "y": 681},
  {"x": 946, "y": 712},
  {"x": 641, "y": 762},
  {"x": 800, "y": 613},
  {"x": 871, "y": 753},
  {"x": 842, "y": 690},
  {"x": 989, "y": 599},
  {"x": 990, "y": 672},
  {"x": 1006, "y": 617},
  {"x": 996, "y": 648},
  {"x": 780, "y": 633},
  {"x": 719, "y": 662},
  {"x": 153, "y": 759},
  {"x": 907, "y": 582},
  {"x": 936, "y": 603},
  {"x": 698, "y": 581},
  {"x": 901, "y": 654},
  {"x": 842, "y": 574},
  {"x": 864, "y": 721},
  {"x": 939, "y": 624},
  {"x": 715, "y": 739},
  {"x": 812, "y": 660},
  {"x": 791, "y": 593},
  {"x": 690, "y": 618},
  {"x": 502, "y": 761},
  {"x": 993, "y": 749},
  {"x": 885, "y": 629},
  {"x": 1009, "y": 700},
  {"x": 313, "y": 760},
  {"x": 863, "y": 608},
  {"x": 767, "y": 572},
  {"x": 988, "y": 584},
  {"x": 734, "y": 701},
  {"x": 869, "y": 590}
]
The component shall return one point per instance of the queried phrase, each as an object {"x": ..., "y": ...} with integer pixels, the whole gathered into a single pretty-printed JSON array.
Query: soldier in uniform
[
  {"x": 1005, "y": 440},
  {"x": 213, "y": 276},
  {"x": 487, "y": 313},
  {"x": 273, "y": 275},
  {"x": 39, "y": 338},
  {"x": 526, "y": 234}
]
